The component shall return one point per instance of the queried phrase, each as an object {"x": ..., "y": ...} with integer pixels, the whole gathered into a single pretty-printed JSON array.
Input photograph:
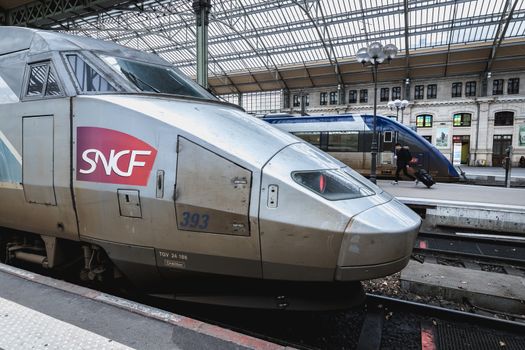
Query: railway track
[
  {"x": 424, "y": 326},
  {"x": 382, "y": 323},
  {"x": 496, "y": 249}
]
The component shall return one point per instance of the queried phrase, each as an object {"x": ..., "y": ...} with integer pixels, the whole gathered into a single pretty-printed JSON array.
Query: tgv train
[
  {"x": 112, "y": 158},
  {"x": 349, "y": 139}
]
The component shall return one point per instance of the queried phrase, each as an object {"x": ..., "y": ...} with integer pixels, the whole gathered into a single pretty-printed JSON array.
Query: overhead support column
[
  {"x": 202, "y": 11},
  {"x": 406, "y": 85}
]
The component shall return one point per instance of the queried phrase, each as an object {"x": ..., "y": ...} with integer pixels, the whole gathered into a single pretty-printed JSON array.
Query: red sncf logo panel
[{"x": 105, "y": 155}]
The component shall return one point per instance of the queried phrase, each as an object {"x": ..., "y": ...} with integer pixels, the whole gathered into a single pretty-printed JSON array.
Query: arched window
[
  {"x": 504, "y": 118},
  {"x": 424, "y": 121},
  {"x": 462, "y": 119}
]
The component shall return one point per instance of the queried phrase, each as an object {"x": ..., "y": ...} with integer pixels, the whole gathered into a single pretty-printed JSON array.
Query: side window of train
[
  {"x": 343, "y": 141},
  {"x": 42, "y": 81},
  {"x": 87, "y": 78},
  {"x": 387, "y": 137},
  {"x": 312, "y": 137}
]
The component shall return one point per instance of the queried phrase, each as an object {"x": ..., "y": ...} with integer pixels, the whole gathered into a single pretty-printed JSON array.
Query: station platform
[
  {"x": 494, "y": 176},
  {"x": 473, "y": 171},
  {"x": 457, "y": 194},
  {"x": 38, "y": 312},
  {"x": 497, "y": 209}
]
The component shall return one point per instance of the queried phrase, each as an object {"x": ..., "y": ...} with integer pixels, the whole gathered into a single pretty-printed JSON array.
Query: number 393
[{"x": 195, "y": 220}]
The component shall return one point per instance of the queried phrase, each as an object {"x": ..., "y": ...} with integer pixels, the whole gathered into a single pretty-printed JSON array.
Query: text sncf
[
  {"x": 111, "y": 156},
  {"x": 111, "y": 164}
]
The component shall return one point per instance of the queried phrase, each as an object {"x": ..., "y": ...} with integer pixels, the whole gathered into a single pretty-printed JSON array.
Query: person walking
[{"x": 403, "y": 158}]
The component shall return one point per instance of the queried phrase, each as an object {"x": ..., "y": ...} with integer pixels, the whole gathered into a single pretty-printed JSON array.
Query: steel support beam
[
  {"x": 202, "y": 12},
  {"x": 502, "y": 30},
  {"x": 328, "y": 47},
  {"x": 278, "y": 74},
  {"x": 45, "y": 13},
  {"x": 406, "y": 85},
  {"x": 224, "y": 75},
  {"x": 450, "y": 36}
]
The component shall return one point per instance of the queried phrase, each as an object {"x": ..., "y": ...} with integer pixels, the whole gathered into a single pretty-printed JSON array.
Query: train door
[
  {"x": 500, "y": 144},
  {"x": 386, "y": 141},
  {"x": 46, "y": 162},
  {"x": 212, "y": 208},
  {"x": 37, "y": 165}
]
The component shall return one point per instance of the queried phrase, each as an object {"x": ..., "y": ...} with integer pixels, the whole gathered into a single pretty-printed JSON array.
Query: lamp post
[
  {"x": 374, "y": 55},
  {"x": 398, "y": 105}
]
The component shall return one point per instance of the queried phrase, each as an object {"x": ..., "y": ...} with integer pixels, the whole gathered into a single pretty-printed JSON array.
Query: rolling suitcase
[{"x": 424, "y": 177}]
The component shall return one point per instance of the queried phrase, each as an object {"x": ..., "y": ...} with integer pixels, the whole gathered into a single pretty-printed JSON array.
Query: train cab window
[
  {"x": 424, "y": 121},
  {"x": 343, "y": 141},
  {"x": 156, "y": 78},
  {"x": 42, "y": 81},
  {"x": 87, "y": 78},
  {"x": 462, "y": 119},
  {"x": 52, "y": 88},
  {"x": 428, "y": 138}
]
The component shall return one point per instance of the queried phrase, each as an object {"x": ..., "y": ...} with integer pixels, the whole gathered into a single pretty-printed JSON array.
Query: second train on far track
[{"x": 348, "y": 137}]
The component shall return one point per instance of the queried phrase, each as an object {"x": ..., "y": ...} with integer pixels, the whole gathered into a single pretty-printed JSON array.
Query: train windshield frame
[{"x": 153, "y": 78}]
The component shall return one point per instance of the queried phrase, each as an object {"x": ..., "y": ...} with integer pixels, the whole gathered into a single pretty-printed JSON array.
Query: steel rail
[
  {"x": 509, "y": 251},
  {"x": 453, "y": 316}
]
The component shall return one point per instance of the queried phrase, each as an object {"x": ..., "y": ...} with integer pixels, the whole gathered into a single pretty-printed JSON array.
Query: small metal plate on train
[
  {"x": 273, "y": 195},
  {"x": 171, "y": 259}
]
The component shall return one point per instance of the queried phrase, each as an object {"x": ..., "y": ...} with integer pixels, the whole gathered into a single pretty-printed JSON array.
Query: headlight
[{"x": 332, "y": 184}]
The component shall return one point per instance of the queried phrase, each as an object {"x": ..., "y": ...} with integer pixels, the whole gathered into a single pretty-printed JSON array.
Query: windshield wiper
[{"x": 136, "y": 80}]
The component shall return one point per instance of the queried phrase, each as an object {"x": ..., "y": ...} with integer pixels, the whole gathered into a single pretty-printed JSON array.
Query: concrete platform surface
[
  {"x": 38, "y": 312},
  {"x": 490, "y": 290},
  {"x": 457, "y": 194},
  {"x": 499, "y": 172}
]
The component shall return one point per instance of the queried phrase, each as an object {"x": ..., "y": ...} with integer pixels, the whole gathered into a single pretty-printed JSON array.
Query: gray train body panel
[{"x": 170, "y": 184}]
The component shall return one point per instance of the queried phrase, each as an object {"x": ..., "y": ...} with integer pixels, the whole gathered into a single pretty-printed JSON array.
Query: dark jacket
[{"x": 403, "y": 157}]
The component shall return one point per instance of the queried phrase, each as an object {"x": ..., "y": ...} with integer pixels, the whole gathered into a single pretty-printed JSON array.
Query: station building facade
[{"x": 463, "y": 116}]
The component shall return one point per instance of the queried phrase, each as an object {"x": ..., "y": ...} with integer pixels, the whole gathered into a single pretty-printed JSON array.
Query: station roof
[{"x": 257, "y": 45}]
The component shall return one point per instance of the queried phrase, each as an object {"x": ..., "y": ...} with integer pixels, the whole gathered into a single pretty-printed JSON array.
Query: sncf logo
[{"x": 105, "y": 155}]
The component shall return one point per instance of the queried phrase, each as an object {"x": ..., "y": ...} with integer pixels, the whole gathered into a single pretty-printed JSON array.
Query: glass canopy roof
[{"x": 258, "y": 35}]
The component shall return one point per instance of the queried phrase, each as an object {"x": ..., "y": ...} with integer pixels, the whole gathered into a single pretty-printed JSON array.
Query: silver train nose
[{"x": 377, "y": 242}]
